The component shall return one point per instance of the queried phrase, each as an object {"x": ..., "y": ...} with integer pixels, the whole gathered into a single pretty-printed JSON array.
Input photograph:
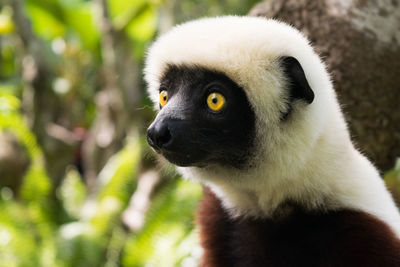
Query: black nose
[{"x": 158, "y": 134}]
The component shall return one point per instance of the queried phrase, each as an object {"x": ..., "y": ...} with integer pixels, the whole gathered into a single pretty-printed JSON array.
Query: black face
[{"x": 203, "y": 135}]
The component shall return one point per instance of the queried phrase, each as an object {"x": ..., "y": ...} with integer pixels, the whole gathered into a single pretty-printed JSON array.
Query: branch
[
  {"x": 22, "y": 23},
  {"x": 134, "y": 216}
]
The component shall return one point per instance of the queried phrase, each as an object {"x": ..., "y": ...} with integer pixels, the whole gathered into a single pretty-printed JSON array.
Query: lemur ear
[{"x": 298, "y": 85}]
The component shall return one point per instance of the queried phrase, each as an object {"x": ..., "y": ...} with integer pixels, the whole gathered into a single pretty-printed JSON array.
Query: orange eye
[
  {"x": 163, "y": 98},
  {"x": 215, "y": 101}
]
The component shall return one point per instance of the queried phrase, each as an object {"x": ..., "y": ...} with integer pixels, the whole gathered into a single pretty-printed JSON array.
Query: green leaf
[
  {"x": 122, "y": 8},
  {"x": 86, "y": 242},
  {"x": 72, "y": 193},
  {"x": 44, "y": 23},
  {"x": 117, "y": 181},
  {"x": 169, "y": 225},
  {"x": 143, "y": 27},
  {"x": 6, "y": 23},
  {"x": 82, "y": 19},
  {"x": 8, "y": 103}
]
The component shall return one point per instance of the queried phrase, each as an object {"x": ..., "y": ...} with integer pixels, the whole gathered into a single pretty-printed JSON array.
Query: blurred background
[{"x": 79, "y": 185}]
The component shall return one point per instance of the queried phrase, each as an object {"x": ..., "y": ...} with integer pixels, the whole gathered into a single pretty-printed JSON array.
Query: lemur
[{"x": 247, "y": 109}]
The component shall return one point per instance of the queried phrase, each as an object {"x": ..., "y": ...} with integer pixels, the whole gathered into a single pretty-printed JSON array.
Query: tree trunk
[
  {"x": 116, "y": 103},
  {"x": 360, "y": 42},
  {"x": 41, "y": 105}
]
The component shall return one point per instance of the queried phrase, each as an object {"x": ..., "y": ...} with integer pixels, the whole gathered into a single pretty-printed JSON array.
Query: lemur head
[{"x": 237, "y": 94}]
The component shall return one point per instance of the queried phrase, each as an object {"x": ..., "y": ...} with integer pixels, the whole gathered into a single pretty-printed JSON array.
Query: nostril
[
  {"x": 163, "y": 137},
  {"x": 150, "y": 138},
  {"x": 158, "y": 135}
]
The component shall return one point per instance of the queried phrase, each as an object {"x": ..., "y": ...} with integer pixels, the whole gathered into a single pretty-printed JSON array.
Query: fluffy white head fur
[{"x": 309, "y": 158}]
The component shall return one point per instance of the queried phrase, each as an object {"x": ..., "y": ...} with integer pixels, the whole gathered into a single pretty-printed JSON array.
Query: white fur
[{"x": 309, "y": 158}]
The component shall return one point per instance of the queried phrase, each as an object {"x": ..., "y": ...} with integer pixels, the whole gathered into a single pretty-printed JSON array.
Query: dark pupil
[
  {"x": 214, "y": 100},
  {"x": 165, "y": 98}
]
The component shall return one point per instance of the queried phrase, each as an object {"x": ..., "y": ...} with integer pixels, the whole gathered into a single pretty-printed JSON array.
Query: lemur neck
[
  {"x": 259, "y": 192},
  {"x": 319, "y": 182},
  {"x": 333, "y": 178}
]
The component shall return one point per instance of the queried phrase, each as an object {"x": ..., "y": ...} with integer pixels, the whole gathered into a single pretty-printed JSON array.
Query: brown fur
[{"x": 295, "y": 238}]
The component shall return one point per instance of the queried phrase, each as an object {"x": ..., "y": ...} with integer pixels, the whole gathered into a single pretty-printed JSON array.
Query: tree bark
[{"x": 360, "y": 42}]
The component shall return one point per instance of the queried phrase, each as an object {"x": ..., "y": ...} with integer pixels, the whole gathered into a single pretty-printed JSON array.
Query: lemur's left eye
[
  {"x": 163, "y": 98},
  {"x": 215, "y": 101}
]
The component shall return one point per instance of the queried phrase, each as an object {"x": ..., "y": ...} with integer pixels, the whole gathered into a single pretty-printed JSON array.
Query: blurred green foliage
[
  {"x": 73, "y": 222},
  {"x": 392, "y": 179}
]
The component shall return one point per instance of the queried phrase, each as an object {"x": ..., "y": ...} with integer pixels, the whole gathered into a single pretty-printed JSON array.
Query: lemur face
[{"x": 205, "y": 118}]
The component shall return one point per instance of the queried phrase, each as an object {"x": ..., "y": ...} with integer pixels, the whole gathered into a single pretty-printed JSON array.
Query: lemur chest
[{"x": 295, "y": 238}]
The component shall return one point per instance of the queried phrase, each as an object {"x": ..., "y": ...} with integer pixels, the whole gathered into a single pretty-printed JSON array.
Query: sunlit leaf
[
  {"x": 44, "y": 23},
  {"x": 16, "y": 233},
  {"x": 120, "y": 7},
  {"x": 6, "y": 23},
  {"x": 84, "y": 242},
  {"x": 72, "y": 193},
  {"x": 78, "y": 246},
  {"x": 8, "y": 103},
  {"x": 169, "y": 222},
  {"x": 82, "y": 19},
  {"x": 143, "y": 27}
]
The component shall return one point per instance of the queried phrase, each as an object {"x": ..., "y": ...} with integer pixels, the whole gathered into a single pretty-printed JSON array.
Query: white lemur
[{"x": 247, "y": 108}]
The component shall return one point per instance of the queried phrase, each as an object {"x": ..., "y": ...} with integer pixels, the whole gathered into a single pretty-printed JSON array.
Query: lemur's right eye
[
  {"x": 163, "y": 98},
  {"x": 215, "y": 101}
]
